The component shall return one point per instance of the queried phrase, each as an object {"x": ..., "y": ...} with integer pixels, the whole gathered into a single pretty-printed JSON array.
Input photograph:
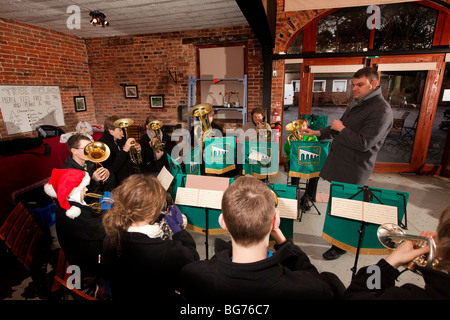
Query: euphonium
[
  {"x": 391, "y": 236},
  {"x": 201, "y": 111},
  {"x": 135, "y": 153},
  {"x": 294, "y": 129},
  {"x": 97, "y": 152},
  {"x": 155, "y": 125}
]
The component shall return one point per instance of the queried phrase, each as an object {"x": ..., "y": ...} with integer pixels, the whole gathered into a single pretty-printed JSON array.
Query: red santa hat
[{"x": 63, "y": 183}]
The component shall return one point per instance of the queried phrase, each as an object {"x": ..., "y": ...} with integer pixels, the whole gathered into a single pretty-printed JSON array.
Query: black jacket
[
  {"x": 147, "y": 268},
  {"x": 149, "y": 163},
  {"x": 437, "y": 285},
  {"x": 287, "y": 275}
]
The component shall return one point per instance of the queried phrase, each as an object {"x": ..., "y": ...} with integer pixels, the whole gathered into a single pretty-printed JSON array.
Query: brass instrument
[
  {"x": 264, "y": 134},
  {"x": 97, "y": 152},
  {"x": 391, "y": 236},
  {"x": 201, "y": 111},
  {"x": 97, "y": 206},
  {"x": 135, "y": 153},
  {"x": 155, "y": 125},
  {"x": 294, "y": 128}
]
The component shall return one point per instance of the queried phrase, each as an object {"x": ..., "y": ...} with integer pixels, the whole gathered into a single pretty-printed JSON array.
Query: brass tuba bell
[
  {"x": 391, "y": 236},
  {"x": 135, "y": 153},
  {"x": 294, "y": 128},
  {"x": 201, "y": 111},
  {"x": 97, "y": 152},
  {"x": 155, "y": 125}
]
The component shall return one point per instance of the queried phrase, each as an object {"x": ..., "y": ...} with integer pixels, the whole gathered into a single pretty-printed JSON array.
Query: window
[
  {"x": 319, "y": 85},
  {"x": 339, "y": 85}
]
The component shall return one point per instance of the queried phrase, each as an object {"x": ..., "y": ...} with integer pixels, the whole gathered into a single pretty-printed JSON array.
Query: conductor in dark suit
[{"x": 357, "y": 136}]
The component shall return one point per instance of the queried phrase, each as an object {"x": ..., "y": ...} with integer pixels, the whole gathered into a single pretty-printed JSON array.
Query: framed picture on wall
[
  {"x": 80, "y": 103},
  {"x": 157, "y": 101},
  {"x": 131, "y": 91}
]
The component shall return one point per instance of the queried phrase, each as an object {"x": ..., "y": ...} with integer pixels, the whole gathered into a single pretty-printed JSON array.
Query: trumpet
[
  {"x": 97, "y": 152},
  {"x": 135, "y": 153},
  {"x": 155, "y": 125},
  {"x": 391, "y": 236},
  {"x": 201, "y": 111}
]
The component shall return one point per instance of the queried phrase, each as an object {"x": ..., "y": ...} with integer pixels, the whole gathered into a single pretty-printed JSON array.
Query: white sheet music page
[
  {"x": 187, "y": 196},
  {"x": 287, "y": 208},
  {"x": 210, "y": 199},
  {"x": 346, "y": 208},
  {"x": 380, "y": 213},
  {"x": 165, "y": 177}
]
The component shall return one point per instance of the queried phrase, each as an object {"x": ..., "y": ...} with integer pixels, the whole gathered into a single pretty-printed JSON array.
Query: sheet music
[
  {"x": 287, "y": 208},
  {"x": 187, "y": 196},
  {"x": 364, "y": 211},
  {"x": 210, "y": 199},
  {"x": 165, "y": 177}
]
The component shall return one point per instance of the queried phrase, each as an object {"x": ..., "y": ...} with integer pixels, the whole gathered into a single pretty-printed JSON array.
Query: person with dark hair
[
  {"x": 357, "y": 136},
  {"x": 153, "y": 159},
  {"x": 140, "y": 262},
  {"x": 255, "y": 128},
  {"x": 437, "y": 278},
  {"x": 245, "y": 270},
  {"x": 101, "y": 179}
]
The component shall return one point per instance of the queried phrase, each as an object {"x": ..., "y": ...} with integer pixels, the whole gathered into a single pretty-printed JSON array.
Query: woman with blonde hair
[{"x": 138, "y": 260}]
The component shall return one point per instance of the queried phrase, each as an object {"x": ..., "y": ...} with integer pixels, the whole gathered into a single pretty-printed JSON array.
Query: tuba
[
  {"x": 135, "y": 154},
  {"x": 155, "y": 125},
  {"x": 97, "y": 152},
  {"x": 294, "y": 129},
  {"x": 391, "y": 236},
  {"x": 201, "y": 111}
]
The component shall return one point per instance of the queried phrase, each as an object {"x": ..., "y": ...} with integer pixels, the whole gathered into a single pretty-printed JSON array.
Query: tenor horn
[
  {"x": 201, "y": 112},
  {"x": 294, "y": 129},
  {"x": 135, "y": 153},
  {"x": 155, "y": 125},
  {"x": 391, "y": 236},
  {"x": 97, "y": 152}
]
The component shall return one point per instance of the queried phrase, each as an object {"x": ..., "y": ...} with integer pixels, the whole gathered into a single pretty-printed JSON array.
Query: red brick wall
[
  {"x": 35, "y": 56},
  {"x": 144, "y": 61}
]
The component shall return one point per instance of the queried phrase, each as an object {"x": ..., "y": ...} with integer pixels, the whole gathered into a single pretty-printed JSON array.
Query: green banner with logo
[
  {"x": 220, "y": 155},
  {"x": 193, "y": 161},
  {"x": 307, "y": 158},
  {"x": 261, "y": 159}
]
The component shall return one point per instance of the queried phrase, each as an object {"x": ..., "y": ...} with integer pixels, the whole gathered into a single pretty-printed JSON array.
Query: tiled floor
[{"x": 429, "y": 195}]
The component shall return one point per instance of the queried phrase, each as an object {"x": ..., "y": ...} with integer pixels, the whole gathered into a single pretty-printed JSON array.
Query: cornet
[
  {"x": 135, "y": 153},
  {"x": 391, "y": 236}
]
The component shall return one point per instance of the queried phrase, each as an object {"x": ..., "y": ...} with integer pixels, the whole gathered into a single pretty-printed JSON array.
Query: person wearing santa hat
[{"x": 78, "y": 227}]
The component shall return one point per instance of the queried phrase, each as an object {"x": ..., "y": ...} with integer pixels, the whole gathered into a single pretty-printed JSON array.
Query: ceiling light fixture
[{"x": 98, "y": 18}]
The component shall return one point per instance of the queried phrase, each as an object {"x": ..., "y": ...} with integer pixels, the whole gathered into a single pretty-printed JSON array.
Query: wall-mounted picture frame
[
  {"x": 80, "y": 103},
  {"x": 131, "y": 92},
  {"x": 157, "y": 101}
]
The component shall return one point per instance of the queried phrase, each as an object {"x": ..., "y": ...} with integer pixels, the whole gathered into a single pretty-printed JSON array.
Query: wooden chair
[
  {"x": 21, "y": 234},
  {"x": 60, "y": 281},
  {"x": 399, "y": 123}
]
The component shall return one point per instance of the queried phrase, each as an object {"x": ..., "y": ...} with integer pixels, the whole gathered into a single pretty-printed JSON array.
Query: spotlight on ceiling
[{"x": 98, "y": 18}]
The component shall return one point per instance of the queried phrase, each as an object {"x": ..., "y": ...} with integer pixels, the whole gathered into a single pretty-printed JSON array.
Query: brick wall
[
  {"x": 145, "y": 60},
  {"x": 35, "y": 56}
]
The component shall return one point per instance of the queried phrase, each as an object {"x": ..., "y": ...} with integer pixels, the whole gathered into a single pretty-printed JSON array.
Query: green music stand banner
[
  {"x": 344, "y": 233},
  {"x": 220, "y": 155},
  {"x": 307, "y": 158},
  {"x": 193, "y": 161},
  {"x": 261, "y": 159}
]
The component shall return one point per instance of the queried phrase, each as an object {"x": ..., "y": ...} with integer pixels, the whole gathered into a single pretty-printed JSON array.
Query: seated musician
[
  {"x": 140, "y": 264},
  {"x": 197, "y": 130},
  {"x": 78, "y": 227},
  {"x": 253, "y": 128},
  {"x": 153, "y": 159},
  {"x": 436, "y": 277},
  {"x": 101, "y": 179},
  {"x": 312, "y": 184},
  {"x": 119, "y": 162},
  {"x": 244, "y": 269}
]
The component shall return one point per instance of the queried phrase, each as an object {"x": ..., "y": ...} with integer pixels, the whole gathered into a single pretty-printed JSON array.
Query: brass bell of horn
[
  {"x": 155, "y": 125},
  {"x": 294, "y": 128},
  {"x": 201, "y": 111},
  {"x": 391, "y": 236},
  {"x": 97, "y": 151},
  {"x": 135, "y": 154}
]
